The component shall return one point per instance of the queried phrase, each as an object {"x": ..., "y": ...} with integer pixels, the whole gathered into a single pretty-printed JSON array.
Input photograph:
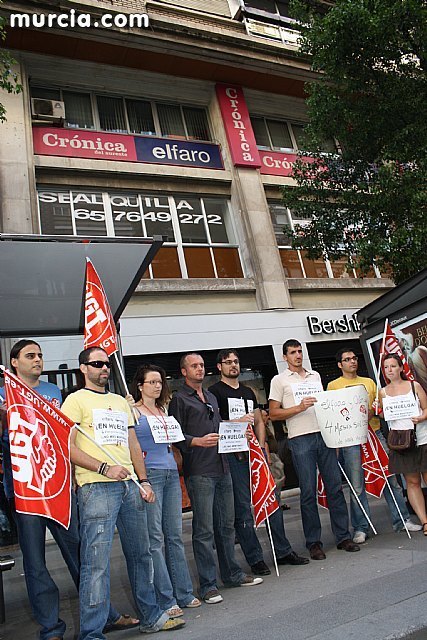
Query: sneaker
[
  {"x": 213, "y": 597},
  {"x": 411, "y": 526},
  {"x": 175, "y": 612},
  {"x": 250, "y": 581},
  {"x": 260, "y": 569},
  {"x": 169, "y": 625},
  {"x": 359, "y": 537}
]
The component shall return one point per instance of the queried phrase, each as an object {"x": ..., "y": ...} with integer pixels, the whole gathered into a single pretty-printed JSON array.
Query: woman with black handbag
[{"x": 407, "y": 437}]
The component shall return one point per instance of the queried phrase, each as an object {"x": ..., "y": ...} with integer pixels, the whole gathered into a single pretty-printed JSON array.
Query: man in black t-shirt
[{"x": 238, "y": 403}]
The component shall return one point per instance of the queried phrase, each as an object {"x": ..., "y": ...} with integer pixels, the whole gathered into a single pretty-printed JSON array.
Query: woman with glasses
[
  {"x": 150, "y": 394},
  {"x": 412, "y": 463}
]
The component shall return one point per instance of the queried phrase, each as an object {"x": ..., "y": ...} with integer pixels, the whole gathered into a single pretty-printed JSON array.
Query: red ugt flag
[
  {"x": 322, "y": 500},
  {"x": 100, "y": 330},
  {"x": 262, "y": 483},
  {"x": 374, "y": 477},
  {"x": 39, "y": 436},
  {"x": 391, "y": 345}
]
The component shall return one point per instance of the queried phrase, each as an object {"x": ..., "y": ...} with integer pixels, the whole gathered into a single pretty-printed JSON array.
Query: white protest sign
[
  {"x": 400, "y": 407},
  {"x": 237, "y": 408},
  {"x": 165, "y": 430},
  {"x": 306, "y": 389},
  {"x": 110, "y": 427},
  {"x": 232, "y": 437},
  {"x": 343, "y": 416}
]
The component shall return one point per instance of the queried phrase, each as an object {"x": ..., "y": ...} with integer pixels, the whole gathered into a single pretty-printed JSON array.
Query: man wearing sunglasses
[
  {"x": 347, "y": 362},
  {"x": 26, "y": 361},
  {"x": 238, "y": 403},
  {"x": 208, "y": 481},
  {"x": 107, "y": 497}
]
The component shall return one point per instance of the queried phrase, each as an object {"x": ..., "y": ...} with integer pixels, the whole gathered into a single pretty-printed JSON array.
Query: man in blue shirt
[{"x": 26, "y": 361}]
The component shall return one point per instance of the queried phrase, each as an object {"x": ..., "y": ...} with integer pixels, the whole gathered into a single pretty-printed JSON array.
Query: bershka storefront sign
[
  {"x": 125, "y": 148},
  {"x": 238, "y": 127},
  {"x": 342, "y": 325}
]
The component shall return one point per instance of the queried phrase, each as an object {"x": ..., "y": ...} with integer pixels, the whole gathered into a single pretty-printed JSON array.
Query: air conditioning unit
[{"x": 47, "y": 109}]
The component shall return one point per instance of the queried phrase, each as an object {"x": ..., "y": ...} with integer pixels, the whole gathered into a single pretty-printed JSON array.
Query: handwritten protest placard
[
  {"x": 400, "y": 407},
  {"x": 343, "y": 416},
  {"x": 232, "y": 437}
]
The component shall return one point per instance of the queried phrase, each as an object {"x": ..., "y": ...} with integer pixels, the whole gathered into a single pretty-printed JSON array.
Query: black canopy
[{"x": 43, "y": 279}]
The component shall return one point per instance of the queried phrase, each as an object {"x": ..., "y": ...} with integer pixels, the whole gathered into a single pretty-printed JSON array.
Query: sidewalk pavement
[{"x": 379, "y": 593}]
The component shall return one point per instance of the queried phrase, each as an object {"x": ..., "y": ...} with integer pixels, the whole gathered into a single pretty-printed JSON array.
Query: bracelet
[
  {"x": 101, "y": 468},
  {"x": 144, "y": 481}
]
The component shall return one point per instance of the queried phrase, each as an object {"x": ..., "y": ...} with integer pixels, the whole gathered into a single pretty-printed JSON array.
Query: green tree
[
  {"x": 8, "y": 79},
  {"x": 368, "y": 202}
]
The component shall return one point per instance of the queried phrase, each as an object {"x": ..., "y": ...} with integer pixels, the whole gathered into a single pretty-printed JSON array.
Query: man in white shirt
[{"x": 292, "y": 399}]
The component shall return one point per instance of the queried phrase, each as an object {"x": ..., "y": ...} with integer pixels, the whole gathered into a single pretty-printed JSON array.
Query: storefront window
[{"x": 199, "y": 236}]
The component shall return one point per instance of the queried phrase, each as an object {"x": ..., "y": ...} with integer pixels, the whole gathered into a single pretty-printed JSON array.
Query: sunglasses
[
  {"x": 98, "y": 364},
  {"x": 210, "y": 410}
]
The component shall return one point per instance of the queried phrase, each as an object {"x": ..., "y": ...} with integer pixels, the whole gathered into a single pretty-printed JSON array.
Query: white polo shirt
[{"x": 282, "y": 390}]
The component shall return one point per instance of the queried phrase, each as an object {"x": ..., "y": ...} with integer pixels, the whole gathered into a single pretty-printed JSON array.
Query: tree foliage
[
  {"x": 368, "y": 202},
  {"x": 8, "y": 78}
]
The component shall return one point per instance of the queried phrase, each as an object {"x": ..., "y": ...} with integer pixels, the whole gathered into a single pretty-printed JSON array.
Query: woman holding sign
[
  {"x": 405, "y": 406},
  {"x": 156, "y": 432}
]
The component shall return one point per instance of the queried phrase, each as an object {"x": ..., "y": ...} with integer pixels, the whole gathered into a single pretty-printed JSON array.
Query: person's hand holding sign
[{"x": 307, "y": 402}]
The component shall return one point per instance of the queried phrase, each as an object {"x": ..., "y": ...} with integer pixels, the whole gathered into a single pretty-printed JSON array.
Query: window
[
  {"x": 78, "y": 110},
  {"x": 200, "y": 239},
  {"x": 111, "y": 114},
  {"x": 129, "y": 115},
  {"x": 295, "y": 263},
  {"x": 280, "y": 135}
]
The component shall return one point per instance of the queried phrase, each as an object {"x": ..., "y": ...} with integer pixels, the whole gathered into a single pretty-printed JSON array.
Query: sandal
[
  {"x": 425, "y": 528},
  {"x": 175, "y": 611},
  {"x": 124, "y": 622},
  {"x": 195, "y": 602}
]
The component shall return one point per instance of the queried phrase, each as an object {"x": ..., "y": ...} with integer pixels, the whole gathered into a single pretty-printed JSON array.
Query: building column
[
  {"x": 16, "y": 162},
  {"x": 272, "y": 290}
]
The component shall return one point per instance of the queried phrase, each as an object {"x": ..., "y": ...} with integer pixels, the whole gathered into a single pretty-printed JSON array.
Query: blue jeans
[
  {"x": 308, "y": 452},
  {"x": 43, "y": 593},
  {"x": 102, "y": 506},
  {"x": 213, "y": 526},
  {"x": 172, "y": 579},
  {"x": 396, "y": 489},
  {"x": 352, "y": 464},
  {"x": 244, "y": 522}
]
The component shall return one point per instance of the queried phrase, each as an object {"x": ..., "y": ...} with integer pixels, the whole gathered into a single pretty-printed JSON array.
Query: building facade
[{"x": 184, "y": 126}]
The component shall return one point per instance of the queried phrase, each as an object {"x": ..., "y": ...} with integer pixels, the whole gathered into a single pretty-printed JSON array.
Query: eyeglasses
[
  {"x": 210, "y": 410},
  {"x": 98, "y": 364},
  {"x": 350, "y": 358},
  {"x": 153, "y": 382},
  {"x": 230, "y": 362}
]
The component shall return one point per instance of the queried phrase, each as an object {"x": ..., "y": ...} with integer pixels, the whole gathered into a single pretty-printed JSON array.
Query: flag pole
[
  {"x": 389, "y": 488},
  {"x": 357, "y": 498},
  {"x": 110, "y": 455},
  {"x": 122, "y": 376},
  {"x": 273, "y": 551},
  {"x": 379, "y": 365}
]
